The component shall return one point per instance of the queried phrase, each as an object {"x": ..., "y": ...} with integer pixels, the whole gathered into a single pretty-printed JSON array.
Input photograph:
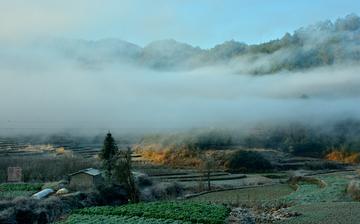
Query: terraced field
[
  {"x": 196, "y": 176},
  {"x": 326, "y": 213},
  {"x": 219, "y": 180},
  {"x": 31, "y": 147},
  {"x": 332, "y": 192},
  {"x": 11, "y": 191},
  {"x": 113, "y": 219},
  {"x": 327, "y": 205},
  {"x": 9, "y": 195},
  {"x": 317, "y": 205},
  {"x": 247, "y": 195},
  {"x": 154, "y": 212}
]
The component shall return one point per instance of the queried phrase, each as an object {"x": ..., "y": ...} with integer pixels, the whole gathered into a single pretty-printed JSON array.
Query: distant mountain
[
  {"x": 170, "y": 54},
  {"x": 102, "y": 51},
  {"x": 321, "y": 44}
]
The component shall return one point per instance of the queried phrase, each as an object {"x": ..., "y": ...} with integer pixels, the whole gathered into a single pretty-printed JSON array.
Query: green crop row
[
  {"x": 9, "y": 195},
  {"x": 185, "y": 211},
  {"x": 111, "y": 219},
  {"x": 20, "y": 187}
]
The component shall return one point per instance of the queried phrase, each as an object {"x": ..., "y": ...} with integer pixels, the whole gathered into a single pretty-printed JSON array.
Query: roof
[{"x": 89, "y": 171}]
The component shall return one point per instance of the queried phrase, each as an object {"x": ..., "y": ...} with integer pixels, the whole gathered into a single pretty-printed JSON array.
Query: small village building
[{"x": 85, "y": 179}]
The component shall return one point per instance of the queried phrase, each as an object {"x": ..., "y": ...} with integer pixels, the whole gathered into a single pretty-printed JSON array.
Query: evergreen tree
[{"x": 107, "y": 155}]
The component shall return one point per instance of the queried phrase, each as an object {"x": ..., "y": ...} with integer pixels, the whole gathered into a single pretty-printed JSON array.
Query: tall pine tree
[{"x": 108, "y": 156}]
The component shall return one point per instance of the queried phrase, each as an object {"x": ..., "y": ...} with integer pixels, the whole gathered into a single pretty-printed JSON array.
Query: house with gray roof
[{"x": 86, "y": 179}]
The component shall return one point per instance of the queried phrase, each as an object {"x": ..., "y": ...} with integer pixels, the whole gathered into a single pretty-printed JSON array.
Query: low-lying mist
[
  {"x": 45, "y": 93},
  {"x": 310, "y": 76}
]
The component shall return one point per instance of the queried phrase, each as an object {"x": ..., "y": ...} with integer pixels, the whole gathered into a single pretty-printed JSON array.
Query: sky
[{"x": 203, "y": 23}]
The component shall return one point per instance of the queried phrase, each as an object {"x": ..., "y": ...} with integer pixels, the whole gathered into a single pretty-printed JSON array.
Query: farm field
[
  {"x": 190, "y": 179},
  {"x": 247, "y": 195},
  {"x": 200, "y": 177},
  {"x": 9, "y": 195},
  {"x": 11, "y": 191},
  {"x": 305, "y": 200},
  {"x": 193, "y": 174},
  {"x": 323, "y": 205},
  {"x": 163, "y": 212},
  {"x": 227, "y": 182},
  {"x": 113, "y": 219},
  {"x": 326, "y": 213},
  {"x": 34, "y": 147},
  {"x": 315, "y": 204},
  {"x": 312, "y": 193}
]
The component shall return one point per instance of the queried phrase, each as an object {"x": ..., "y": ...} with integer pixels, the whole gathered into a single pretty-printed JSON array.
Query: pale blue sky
[
  {"x": 208, "y": 22},
  {"x": 199, "y": 22}
]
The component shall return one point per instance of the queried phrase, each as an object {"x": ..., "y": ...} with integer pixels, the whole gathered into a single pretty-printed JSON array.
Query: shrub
[
  {"x": 248, "y": 161},
  {"x": 143, "y": 180},
  {"x": 172, "y": 156},
  {"x": 353, "y": 189},
  {"x": 161, "y": 191},
  {"x": 113, "y": 194},
  {"x": 322, "y": 165},
  {"x": 344, "y": 156},
  {"x": 7, "y": 216}
]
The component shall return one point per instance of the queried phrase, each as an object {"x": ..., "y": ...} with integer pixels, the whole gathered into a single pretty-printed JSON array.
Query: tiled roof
[{"x": 90, "y": 171}]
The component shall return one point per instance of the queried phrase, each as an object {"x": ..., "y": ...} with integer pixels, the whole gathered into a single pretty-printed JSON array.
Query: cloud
[
  {"x": 89, "y": 85},
  {"x": 44, "y": 91}
]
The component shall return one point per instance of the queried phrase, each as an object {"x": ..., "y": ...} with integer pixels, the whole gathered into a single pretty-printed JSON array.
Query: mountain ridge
[{"x": 321, "y": 44}]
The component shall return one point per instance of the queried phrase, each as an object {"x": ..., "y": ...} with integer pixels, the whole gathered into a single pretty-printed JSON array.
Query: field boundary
[
  {"x": 331, "y": 171},
  {"x": 228, "y": 189}
]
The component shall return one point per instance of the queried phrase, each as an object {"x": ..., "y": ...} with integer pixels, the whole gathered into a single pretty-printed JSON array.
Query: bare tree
[
  {"x": 124, "y": 175},
  {"x": 208, "y": 166}
]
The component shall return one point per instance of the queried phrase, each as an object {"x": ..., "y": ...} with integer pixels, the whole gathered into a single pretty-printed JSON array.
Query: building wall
[
  {"x": 98, "y": 180},
  {"x": 81, "y": 181}
]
